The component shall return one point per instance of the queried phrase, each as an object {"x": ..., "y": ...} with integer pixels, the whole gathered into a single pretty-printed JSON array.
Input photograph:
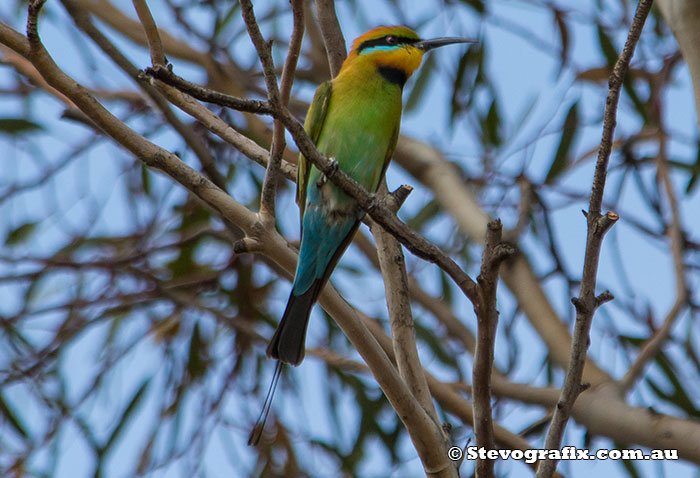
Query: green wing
[
  {"x": 389, "y": 152},
  {"x": 313, "y": 125}
]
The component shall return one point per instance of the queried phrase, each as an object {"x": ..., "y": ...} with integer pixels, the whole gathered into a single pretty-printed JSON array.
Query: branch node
[
  {"x": 579, "y": 305},
  {"x": 502, "y": 252},
  {"x": 606, "y": 296},
  {"x": 395, "y": 199},
  {"x": 604, "y": 223},
  {"x": 447, "y": 428},
  {"x": 493, "y": 230},
  {"x": 246, "y": 245},
  {"x": 399, "y": 196},
  {"x": 374, "y": 203}
]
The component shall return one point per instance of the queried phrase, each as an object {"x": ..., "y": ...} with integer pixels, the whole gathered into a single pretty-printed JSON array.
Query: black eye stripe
[{"x": 383, "y": 42}]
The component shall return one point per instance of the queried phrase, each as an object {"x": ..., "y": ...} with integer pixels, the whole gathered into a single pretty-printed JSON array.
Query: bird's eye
[{"x": 392, "y": 40}]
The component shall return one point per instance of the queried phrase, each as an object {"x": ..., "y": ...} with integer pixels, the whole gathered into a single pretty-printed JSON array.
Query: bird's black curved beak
[{"x": 427, "y": 45}]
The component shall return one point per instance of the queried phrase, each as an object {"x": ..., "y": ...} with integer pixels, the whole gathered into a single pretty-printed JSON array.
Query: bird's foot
[
  {"x": 324, "y": 177},
  {"x": 373, "y": 202},
  {"x": 334, "y": 167}
]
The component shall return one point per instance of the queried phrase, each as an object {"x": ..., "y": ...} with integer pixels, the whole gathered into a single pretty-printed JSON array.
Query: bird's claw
[
  {"x": 334, "y": 167},
  {"x": 373, "y": 202},
  {"x": 324, "y": 177}
]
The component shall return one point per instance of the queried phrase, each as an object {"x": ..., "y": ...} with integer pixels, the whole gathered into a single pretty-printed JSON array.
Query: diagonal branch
[
  {"x": 221, "y": 128},
  {"x": 83, "y": 21},
  {"x": 413, "y": 241},
  {"x": 210, "y": 96}
]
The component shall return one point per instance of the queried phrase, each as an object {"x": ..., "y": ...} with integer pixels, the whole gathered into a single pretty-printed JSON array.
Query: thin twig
[
  {"x": 487, "y": 319},
  {"x": 83, "y": 21},
  {"x": 155, "y": 45},
  {"x": 210, "y": 96},
  {"x": 598, "y": 225},
  {"x": 269, "y": 188},
  {"x": 221, "y": 128},
  {"x": 264, "y": 52},
  {"x": 33, "y": 10}
]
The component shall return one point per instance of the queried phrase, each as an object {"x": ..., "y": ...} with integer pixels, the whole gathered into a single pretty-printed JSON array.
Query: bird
[{"x": 353, "y": 120}]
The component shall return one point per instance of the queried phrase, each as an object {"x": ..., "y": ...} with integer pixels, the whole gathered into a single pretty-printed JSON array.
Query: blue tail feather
[{"x": 323, "y": 242}]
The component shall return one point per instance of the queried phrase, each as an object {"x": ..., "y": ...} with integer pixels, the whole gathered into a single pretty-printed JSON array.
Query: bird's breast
[{"x": 357, "y": 133}]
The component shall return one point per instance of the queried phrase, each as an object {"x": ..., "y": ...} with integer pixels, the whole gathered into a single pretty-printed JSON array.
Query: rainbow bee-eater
[{"x": 354, "y": 120}]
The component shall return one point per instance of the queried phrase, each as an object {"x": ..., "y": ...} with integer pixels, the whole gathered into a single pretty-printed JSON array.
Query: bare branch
[
  {"x": 221, "y": 128},
  {"x": 332, "y": 34},
  {"x": 146, "y": 151},
  {"x": 393, "y": 268},
  {"x": 428, "y": 166},
  {"x": 598, "y": 225},
  {"x": 487, "y": 320},
  {"x": 448, "y": 398},
  {"x": 264, "y": 52},
  {"x": 445, "y": 394},
  {"x": 33, "y": 10},
  {"x": 151, "y": 30},
  {"x": 82, "y": 20},
  {"x": 267, "y": 201},
  {"x": 210, "y": 96}
]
